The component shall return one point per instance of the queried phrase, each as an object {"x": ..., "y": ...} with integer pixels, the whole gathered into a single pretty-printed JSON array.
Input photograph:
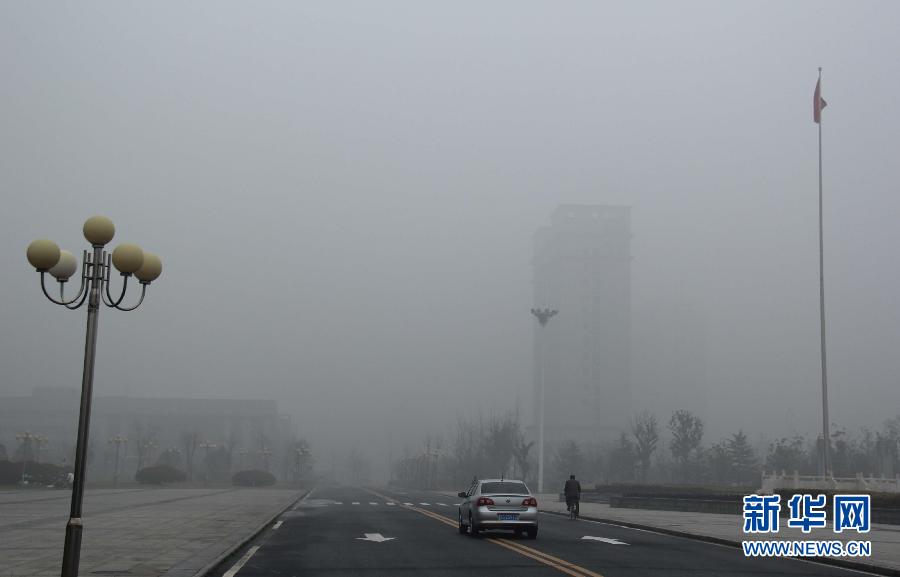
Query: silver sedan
[{"x": 498, "y": 504}]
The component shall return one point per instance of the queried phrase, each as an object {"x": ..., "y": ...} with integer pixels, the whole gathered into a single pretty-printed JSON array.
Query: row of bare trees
[
  {"x": 480, "y": 447},
  {"x": 638, "y": 456},
  {"x": 650, "y": 451}
]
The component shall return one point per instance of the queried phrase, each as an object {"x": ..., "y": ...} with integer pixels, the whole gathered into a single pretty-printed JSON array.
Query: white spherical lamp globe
[
  {"x": 43, "y": 254},
  {"x": 65, "y": 267},
  {"x": 150, "y": 270},
  {"x": 99, "y": 230},
  {"x": 127, "y": 258}
]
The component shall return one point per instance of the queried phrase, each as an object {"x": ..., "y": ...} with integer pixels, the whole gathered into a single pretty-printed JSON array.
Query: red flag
[{"x": 818, "y": 103}]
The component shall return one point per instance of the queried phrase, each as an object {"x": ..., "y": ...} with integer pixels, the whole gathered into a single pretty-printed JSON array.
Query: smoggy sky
[{"x": 344, "y": 196}]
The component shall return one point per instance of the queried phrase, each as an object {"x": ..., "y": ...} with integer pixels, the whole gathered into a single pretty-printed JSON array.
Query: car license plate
[{"x": 508, "y": 516}]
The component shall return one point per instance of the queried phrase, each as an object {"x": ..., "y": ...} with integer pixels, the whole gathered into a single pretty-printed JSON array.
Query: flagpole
[{"x": 825, "y": 434}]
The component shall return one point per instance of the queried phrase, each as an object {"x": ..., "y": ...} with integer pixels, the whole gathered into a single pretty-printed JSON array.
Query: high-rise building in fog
[{"x": 582, "y": 267}]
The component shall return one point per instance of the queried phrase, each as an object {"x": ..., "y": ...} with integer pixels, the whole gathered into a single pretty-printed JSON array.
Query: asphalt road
[{"x": 354, "y": 531}]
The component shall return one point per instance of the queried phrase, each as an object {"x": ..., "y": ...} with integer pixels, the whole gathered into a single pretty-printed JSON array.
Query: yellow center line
[
  {"x": 561, "y": 565},
  {"x": 527, "y": 553}
]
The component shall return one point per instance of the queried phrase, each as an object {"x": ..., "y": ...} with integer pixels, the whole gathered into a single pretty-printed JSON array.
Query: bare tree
[
  {"x": 499, "y": 443},
  {"x": 521, "y": 451},
  {"x": 645, "y": 430},
  {"x": 190, "y": 440},
  {"x": 687, "y": 432},
  {"x": 359, "y": 466}
]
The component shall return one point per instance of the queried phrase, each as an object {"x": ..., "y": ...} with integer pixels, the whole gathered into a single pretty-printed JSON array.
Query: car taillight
[
  {"x": 482, "y": 501},
  {"x": 529, "y": 502}
]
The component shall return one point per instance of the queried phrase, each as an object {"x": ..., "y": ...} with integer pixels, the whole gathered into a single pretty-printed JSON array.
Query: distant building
[
  {"x": 243, "y": 427},
  {"x": 582, "y": 267}
]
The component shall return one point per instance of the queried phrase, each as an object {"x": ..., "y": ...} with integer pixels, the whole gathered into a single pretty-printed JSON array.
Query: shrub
[
  {"x": 253, "y": 478},
  {"x": 36, "y": 473},
  {"x": 158, "y": 475}
]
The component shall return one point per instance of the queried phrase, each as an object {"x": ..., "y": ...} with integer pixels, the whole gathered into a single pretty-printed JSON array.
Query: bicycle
[{"x": 573, "y": 509}]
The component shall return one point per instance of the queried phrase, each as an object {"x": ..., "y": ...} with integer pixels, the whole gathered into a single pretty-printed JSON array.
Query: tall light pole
[
  {"x": 118, "y": 441},
  {"x": 40, "y": 441},
  {"x": 302, "y": 453},
  {"x": 206, "y": 446},
  {"x": 543, "y": 316},
  {"x": 264, "y": 453},
  {"x": 45, "y": 256},
  {"x": 241, "y": 453},
  {"x": 147, "y": 452},
  {"x": 25, "y": 438}
]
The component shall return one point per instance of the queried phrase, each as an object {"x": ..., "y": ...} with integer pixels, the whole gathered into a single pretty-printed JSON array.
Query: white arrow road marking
[
  {"x": 604, "y": 540},
  {"x": 375, "y": 537},
  {"x": 277, "y": 525}
]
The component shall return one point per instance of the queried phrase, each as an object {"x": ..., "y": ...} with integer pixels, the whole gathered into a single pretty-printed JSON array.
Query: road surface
[{"x": 340, "y": 530}]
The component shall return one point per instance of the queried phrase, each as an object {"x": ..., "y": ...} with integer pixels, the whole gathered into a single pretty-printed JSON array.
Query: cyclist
[{"x": 572, "y": 492}]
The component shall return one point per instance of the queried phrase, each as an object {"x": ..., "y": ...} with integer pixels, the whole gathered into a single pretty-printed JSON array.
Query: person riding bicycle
[{"x": 572, "y": 492}]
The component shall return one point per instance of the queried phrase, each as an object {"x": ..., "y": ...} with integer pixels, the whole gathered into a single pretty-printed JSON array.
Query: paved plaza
[{"x": 134, "y": 532}]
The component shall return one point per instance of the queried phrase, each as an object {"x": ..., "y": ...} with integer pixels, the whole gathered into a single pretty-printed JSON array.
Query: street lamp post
[
  {"x": 301, "y": 455},
  {"x": 265, "y": 452},
  {"x": 543, "y": 316},
  {"x": 206, "y": 446},
  {"x": 25, "y": 438},
  {"x": 147, "y": 449},
  {"x": 40, "y": 442},
  {"x": 118, "y": 441},
  {"x": 435, "y": 460},
  {"x": 46, "y": 257},
  {"x": 241, "y": 453}
]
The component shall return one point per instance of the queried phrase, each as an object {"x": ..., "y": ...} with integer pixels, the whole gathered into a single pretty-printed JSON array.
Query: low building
[{"x": 251, "y": 432}]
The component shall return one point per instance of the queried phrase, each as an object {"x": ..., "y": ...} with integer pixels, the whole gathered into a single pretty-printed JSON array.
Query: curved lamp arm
[
  {"x": 126, "y": 309},
  {"x": 81, "y": 302},
  {"x": 109, "y": 301},
  {"x": 62, "y": 302}
]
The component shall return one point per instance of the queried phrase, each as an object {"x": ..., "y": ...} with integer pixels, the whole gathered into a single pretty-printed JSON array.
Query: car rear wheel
[
  {"x": 462, "y": 528},
  {"x": 473, "y": 528},
  {"x": 532, "y": 532}
]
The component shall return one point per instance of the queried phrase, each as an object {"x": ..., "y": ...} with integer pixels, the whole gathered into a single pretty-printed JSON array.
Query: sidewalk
[
  {"x": 138, "y": 532},
  {"x": 728, "y": 529}
]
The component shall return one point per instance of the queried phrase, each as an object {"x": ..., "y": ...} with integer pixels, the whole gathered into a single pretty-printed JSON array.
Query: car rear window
[{"x": 504, "y": 487}]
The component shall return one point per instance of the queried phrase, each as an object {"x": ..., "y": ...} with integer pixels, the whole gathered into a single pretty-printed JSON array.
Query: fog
[{"x": 344, "y": 197}]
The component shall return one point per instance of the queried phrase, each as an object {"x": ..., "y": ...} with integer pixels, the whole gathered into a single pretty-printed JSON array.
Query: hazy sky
[{"x": 344, "y": 193}]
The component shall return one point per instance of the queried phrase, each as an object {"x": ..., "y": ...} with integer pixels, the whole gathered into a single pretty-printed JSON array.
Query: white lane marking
[
  {"x": 442, "y": 504},
  {"x": 374, "y": 537},
  {"x": 355, "y": 503},
  {"x": 237, "y": 566},
  {"x": 604, "y": 540},
  {"x": 305, "y": 497},
  {"x": 458, "y": 504},
  {"x": 410, "y": 504},
  {"x": 390, "y": 504},
  {"x": 338, "y": 502},
  {"x": 425, "y": 504},
  {"x": 277, "y": 525},
  {"x": 372, "y": 503}
]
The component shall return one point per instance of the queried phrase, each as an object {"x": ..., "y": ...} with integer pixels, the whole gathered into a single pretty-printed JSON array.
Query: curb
[
  {"x": 262, "y": 527},
  {"x": 856, "y": 565}
]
